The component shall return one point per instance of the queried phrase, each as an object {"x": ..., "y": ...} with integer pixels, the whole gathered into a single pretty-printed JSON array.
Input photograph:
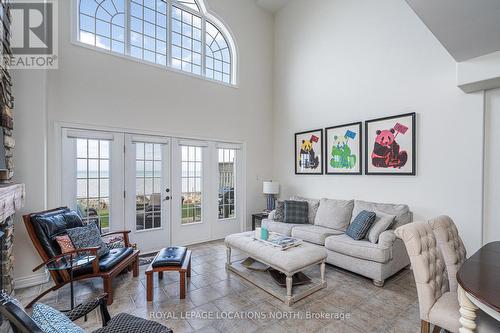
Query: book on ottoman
[{"x": 170, "y": 256}]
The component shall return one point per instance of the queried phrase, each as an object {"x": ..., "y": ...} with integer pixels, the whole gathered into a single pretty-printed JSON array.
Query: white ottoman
[{"x": 289, "y": 262}]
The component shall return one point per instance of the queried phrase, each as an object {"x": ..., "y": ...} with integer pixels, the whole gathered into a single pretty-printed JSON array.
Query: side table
[{"x": 258, "y": 217}]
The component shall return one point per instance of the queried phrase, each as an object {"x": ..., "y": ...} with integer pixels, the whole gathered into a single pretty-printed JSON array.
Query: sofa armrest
[
  {"x": 387, "y": 238},
  {"x": 271, "y": 215}
]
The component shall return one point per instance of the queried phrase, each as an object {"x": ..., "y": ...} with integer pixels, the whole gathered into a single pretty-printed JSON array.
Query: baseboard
[{"x": 31, "y": 280}]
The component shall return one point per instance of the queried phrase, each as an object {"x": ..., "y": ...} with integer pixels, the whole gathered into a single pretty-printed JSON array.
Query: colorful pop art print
[
  {"x": 390, "y": 145},
  {"x": 343, "y": 149},
  {"x": 309, "y": 152}
]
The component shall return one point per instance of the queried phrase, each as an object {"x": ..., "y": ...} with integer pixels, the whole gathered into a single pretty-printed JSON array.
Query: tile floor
[{"x": 218, "y": 301}]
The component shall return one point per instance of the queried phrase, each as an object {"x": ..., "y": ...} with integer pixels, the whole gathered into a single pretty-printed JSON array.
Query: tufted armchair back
[
  {"x": 451, "y": 246},
  {"x": 427, "y": 263}
]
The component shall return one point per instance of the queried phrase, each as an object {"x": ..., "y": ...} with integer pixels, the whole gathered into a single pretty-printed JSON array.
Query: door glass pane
[
  {"x": 148, "y": 185},
  {"x": 192, "y": 180},
  {"x": 227, "y": 183},
  {"x": 92, "y": 171}
]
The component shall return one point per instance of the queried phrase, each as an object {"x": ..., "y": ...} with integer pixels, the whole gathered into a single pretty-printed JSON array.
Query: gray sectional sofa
[{"x": 328, "y": 221}]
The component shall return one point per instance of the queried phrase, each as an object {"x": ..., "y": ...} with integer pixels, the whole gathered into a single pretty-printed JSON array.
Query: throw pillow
[
  {"x": 313, "y": 205},
  {"x": 115, "y": 242},
  {"x": 382, "y": 222},
  {"x": 65, "y": 243},
  {"x": 334, "y": 214},
  {"x": 402, "y": 212},
  {"x": 279, "y": 213},
  {"x": 359, "y": 227},
  {"x": 88, "y": 236},
  {"x": 52, "y": 321},
  {"x": 296, "y": 212}
]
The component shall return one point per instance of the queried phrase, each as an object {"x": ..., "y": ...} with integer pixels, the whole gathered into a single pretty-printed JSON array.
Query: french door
[
  {"x": 147, "y": 191},
  {"x": 165, "y": 190}
]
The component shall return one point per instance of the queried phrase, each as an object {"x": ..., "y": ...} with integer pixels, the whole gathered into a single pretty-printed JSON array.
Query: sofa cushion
[
  {"x": 360, "y": 225},
  {"x": 361, "y": 249},
  {"x": 50, "y": 224},
  {"x": 402, "y": 212},
  {"x": 296, "y": 212},
  {"x": 279, "y": 227},
  {"x": 313, "y": 205},
  {"x": 382, "y": 222},
  {"x": 314, "y": 234},
  {"x": 334, "y": 214}
]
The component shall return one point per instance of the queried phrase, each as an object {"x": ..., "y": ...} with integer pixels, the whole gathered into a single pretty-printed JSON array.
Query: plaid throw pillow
[
  {"x": 279, "y": 214},
  {"x": 296, "y": 212},
  {"x": 360, "y": 225}
]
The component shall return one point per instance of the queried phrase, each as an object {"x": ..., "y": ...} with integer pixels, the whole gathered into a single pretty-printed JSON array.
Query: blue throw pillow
[
  {"x": 52, "y": 321},
  {"x": 360, "y": 225}
]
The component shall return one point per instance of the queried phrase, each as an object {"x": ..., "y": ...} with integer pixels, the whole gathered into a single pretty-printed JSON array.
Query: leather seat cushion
[
  {"x": 51, "y": 224},
  {"x": 170, "y": 256},
  {"x": 107, "y": 262}
]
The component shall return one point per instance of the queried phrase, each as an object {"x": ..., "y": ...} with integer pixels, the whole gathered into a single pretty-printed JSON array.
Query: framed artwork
[
  {"x": 390, "y": 146},
  {"x": 343, "y": 149},
  {"x": 309, "y": 153}
]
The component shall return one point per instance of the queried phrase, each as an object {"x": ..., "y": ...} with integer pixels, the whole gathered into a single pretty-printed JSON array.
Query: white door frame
[
  {"x": 198, "y": 232},
  {"x": 149, "y": 240},
  {"x": 68, "y": 171}
]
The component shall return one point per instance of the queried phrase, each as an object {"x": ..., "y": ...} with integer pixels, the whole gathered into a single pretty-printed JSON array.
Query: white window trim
[{"x": 205, "y": 14}]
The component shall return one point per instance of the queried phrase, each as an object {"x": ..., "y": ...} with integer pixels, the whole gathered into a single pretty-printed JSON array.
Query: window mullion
[
  {"x": 127, "y": 27},
  {"x": 169, "y": 33},
  {"x": 203, "y": 45}
]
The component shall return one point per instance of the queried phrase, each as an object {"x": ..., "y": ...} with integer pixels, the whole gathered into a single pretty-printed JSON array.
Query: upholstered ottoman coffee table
[{"x": 289, "y": 262}]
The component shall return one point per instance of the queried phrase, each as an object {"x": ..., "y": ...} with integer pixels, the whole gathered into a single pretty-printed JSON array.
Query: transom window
[{"x": 173, "y": 33}]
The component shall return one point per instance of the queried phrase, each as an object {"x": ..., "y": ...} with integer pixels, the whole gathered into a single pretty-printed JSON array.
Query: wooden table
[
  {"x": 259, "y": 217},
  {"x": 184, "y": 270},
  {"x": 479, "y": 286}
]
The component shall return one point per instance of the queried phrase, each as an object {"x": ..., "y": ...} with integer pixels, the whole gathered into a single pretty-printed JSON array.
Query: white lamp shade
[{"x": 271, "y": 188}]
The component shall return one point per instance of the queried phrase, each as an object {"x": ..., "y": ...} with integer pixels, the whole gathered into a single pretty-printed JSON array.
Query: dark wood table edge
[{"x": 470, "y": 291}]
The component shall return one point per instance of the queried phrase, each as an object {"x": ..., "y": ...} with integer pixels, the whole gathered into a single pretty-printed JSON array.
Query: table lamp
[{"x": 270, "y": 189}]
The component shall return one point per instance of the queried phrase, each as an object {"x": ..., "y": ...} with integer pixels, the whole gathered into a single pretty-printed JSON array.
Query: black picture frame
[
  {"x": 320, "y": 163},
  {"x": 359, "y": 170},
  {"x": 393, "y": 170}
]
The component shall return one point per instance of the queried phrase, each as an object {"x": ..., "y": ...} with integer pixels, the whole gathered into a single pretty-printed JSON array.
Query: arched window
[{"x": 180, "y": 34}]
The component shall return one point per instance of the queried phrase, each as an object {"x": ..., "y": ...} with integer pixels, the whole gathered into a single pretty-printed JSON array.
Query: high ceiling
[
  {"x": 272, "y": 5},
  {"x": 466, "y": 28}
]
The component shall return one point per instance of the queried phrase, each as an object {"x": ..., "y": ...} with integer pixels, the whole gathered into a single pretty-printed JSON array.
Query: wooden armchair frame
[{"x": 61, "y": 278}]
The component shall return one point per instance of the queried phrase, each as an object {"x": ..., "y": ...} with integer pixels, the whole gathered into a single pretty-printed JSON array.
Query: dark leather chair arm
[
  {"x": 123, "y": 232},
  {"x": 87, "y": 307},
  {"x": 92, "y": 250}
]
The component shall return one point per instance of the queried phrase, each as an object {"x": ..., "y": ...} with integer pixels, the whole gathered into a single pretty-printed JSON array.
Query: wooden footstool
[{"x": 184, "y": 270}]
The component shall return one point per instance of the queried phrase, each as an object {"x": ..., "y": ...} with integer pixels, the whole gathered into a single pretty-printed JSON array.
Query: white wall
[
  {"x": 30, "y": 132},
  {"x": 99, "y": 89},
  {"x": 492, "y": 167},
  {"x": 339, "y": 61}
]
